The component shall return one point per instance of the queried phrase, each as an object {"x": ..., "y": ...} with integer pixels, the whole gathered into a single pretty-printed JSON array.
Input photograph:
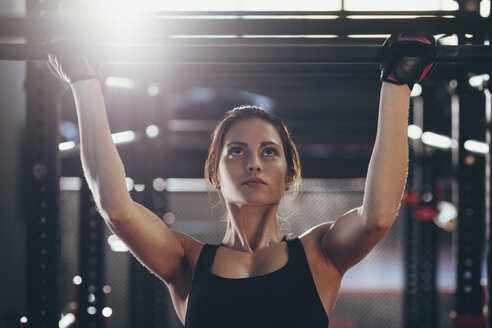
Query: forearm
[
  {"x": 387, "y": 170},
  {"x": 102, "y": 166}
]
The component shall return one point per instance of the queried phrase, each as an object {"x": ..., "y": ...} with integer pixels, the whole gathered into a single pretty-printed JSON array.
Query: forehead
[{"x": 252, "y": 131}]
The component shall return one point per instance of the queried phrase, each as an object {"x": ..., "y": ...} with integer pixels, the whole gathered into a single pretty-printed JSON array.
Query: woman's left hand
[{"x": 407, "y": 59}]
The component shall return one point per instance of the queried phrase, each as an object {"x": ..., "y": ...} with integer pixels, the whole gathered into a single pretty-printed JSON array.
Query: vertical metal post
[
  {"x": 488, "y": 181},
  {"x": 91, "y": 262},
  {"x": 424, "y": 230},
  {"x": 420, "y": 297},
  {"x": 471, "y": 212},
  {"x": 410, "y": 311},
  {"x": 426, "y": 244},
  {"x": 420, "y": 301},
  {"x": 488, "y": 200},
  {"x": 40, "y": 187},
  {"x": 149, "y": 301}
]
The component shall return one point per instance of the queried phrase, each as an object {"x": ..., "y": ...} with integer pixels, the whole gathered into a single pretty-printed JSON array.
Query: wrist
[
  {"x": 82, "y": 87},
  {"x": 404, "y": 89},
  {"x": 84, "y": 83},
  {"x": 395, "y": 98}
]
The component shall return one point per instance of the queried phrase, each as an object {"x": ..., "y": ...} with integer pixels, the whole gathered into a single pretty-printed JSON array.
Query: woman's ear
[
  {"x": 288, "y": 181},
  {"x": 216, "y": 184}
]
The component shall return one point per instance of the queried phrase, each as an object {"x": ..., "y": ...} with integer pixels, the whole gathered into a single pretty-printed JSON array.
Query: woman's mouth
[{"x": 254, "y": 182}]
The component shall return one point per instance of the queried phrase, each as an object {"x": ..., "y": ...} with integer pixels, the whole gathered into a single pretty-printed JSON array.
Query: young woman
[{"x": 255, "y": 277}]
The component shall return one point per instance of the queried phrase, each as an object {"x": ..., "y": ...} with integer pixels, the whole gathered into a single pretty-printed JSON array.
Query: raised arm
[
  {"x": 147, "y": 236},
  {"x": 405, "y": 61},
  {"x": 101, "y": 163},
  {"x": 353, "y": 236},
  {"x": 387, "y": 169}
]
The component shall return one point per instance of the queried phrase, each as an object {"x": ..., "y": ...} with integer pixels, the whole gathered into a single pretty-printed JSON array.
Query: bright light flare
[
  {"x": 118, "y": 19},
  {"x": 129, "y": 183},
  {"x": 485, "y": 8},
  {"x": 120, "y": 82},
  {"x": 446, "y": 219},
  {"x": 153, "y": 90},
  {"x": 123, "y": 137},
  {"x": 152, "y": 131},
  {"x": 114, "y": 10},
  {"x": 475, "y": 146},
  {"x": 296, "y": 36},
  {"x": 64, "y": 146},
  {"x": 450, "y": 40},
  {"x": 437, "y": 140},
  {"x": 391, "y": 5},
  {"x": 77, "y": 280},
  {"x": 139, "y": 187},
  {"x": 416, "y": 91},
  {"x": 383, "y": 16},
  {"x": 288, "y": 16},
  {"x": 414, "y": 132},
  {"x": 169, "y": 218},
  {"x": 107, "y": 312},
  {"x": 66, "y": 321},
  {"x": 368, "y": 36},
  {"x": 116, "y": 244},
  {"x": 159, "y": 184},
  {"x": 240, "y": 5},
  {"x": 478, "y": 81}
]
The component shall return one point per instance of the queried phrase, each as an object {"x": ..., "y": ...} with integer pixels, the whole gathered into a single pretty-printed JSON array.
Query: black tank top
[{"x": 284, "y": 298}]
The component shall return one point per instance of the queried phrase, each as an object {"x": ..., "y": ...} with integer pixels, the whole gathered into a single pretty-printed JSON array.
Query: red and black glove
[
  {"x": 407, "y": 59},
  {"x": 73, "y": 60}
]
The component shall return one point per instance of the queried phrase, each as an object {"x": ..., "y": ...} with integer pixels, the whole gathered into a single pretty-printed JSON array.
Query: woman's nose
[
  {"x": 253, "y": 164},
  {"x": 254, "y": 168}
]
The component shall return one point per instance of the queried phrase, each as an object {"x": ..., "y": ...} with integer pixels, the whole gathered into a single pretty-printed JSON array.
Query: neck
[{"x": 251, "y": 228}]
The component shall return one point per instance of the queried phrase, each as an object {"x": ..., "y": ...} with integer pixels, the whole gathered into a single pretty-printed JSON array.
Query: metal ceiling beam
[
  {"x": 237, "y": 25},
  {"x": 340, "y": 13},
  {"x": 242, "y": 54}
]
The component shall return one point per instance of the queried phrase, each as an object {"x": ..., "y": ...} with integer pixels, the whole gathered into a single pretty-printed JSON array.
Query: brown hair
[{"x": 249, "y": 112}]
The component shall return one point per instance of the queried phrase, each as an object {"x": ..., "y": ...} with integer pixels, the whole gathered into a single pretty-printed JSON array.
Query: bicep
[
  {"x": 151, "y": 241},
  {"x": 347, "y": 241}
]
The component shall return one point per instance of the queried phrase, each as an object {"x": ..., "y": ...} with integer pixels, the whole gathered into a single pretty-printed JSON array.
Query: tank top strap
[
  {"x": 297, "y": 256},
  {"x": 205, "y": 260}
]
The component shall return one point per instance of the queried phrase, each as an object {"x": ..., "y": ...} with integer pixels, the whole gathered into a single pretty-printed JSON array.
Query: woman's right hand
[{"x": 67, "y": 60}]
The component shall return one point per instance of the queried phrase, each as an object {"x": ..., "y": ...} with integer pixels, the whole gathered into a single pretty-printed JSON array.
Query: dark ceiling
[{"x": 331, "y": 106}]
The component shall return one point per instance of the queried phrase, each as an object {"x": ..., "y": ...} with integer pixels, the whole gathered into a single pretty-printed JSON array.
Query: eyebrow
[{"x": 243, "y": 144}]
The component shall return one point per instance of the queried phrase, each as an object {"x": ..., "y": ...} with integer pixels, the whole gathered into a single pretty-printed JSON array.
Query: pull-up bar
[
  {"x": 246, "y": 54},
  {"x": 166, "y": 25}
]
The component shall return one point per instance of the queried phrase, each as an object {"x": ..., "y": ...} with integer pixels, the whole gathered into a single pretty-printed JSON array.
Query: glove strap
[{"x": 426, "y": 70}]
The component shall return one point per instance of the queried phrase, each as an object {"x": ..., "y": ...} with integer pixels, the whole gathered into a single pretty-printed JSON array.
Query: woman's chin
[{"x": 255, "y": 201}]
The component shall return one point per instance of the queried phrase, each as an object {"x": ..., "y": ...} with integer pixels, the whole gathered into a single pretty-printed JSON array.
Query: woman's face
[{"x": 252, "y": 166}]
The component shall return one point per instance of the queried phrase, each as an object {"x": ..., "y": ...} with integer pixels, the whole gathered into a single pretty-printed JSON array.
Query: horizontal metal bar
[
  {"x": 245, "y": 54},
  {"x": 151, "y": 26},
  {"x": 342, "y": 13},
  {"x": 268, "y": 74}
]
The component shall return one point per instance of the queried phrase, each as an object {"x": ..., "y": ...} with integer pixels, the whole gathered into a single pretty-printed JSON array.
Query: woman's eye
[
  {"x": 236, "y": 151},
  {"x": 270, "y": 152}
]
